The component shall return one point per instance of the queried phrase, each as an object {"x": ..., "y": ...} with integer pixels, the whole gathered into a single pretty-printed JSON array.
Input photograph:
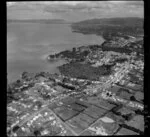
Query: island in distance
[
  {"x": 99, "y": 90},
  {"x": 47, "y": 21}
]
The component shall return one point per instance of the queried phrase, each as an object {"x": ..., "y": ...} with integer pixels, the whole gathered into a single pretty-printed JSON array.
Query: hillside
[
  {"x": 130, "y": 21},
  {"x": 108, "y": 27}
]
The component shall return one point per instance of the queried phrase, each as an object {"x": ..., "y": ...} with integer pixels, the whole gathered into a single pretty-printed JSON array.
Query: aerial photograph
[{"x": 75, "y": 68}]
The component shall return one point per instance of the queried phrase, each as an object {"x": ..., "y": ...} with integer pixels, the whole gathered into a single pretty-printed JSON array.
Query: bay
[{"x": 29, "y": 44}]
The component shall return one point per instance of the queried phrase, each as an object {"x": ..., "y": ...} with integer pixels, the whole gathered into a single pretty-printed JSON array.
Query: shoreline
[{"x": 78, "y": 58}]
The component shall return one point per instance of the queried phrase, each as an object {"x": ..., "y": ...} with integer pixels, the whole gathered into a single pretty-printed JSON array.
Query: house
[
  {"x": 134, "y": 86},
  {"x": 114, "y": 89}
]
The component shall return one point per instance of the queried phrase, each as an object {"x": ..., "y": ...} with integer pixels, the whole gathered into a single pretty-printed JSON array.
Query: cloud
[
  {"x": 92, "y": 5},
  {"x": 10, "y": 3},
  {"x": 77, "y": 7},
  {"x": 75, "y": 10},
  {"x": 135, "y": 3}
]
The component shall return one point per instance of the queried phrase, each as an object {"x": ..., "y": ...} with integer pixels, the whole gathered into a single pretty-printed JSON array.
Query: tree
[
  {"x": 132, "y": 98},
  {"x": 24, "y": 75},
  {"x": 73, "y": 49},
  {"x": 9, "y": 90},
  {"x": 37, "y": 132},
  {"x": 128, "y": 116},
  {"x": 65, "y": 80}
]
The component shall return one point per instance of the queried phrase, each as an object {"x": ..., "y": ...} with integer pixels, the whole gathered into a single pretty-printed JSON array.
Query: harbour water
[{"x": 29, "y": 44}]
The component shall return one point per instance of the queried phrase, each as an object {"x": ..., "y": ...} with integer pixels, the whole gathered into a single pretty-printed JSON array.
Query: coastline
[
  {"x": 75, "y": 58},
  {"x": 17, "y": 63}
]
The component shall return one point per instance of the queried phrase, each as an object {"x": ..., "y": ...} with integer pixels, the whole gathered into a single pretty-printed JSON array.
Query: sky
[{"x": 74, "y": 10}]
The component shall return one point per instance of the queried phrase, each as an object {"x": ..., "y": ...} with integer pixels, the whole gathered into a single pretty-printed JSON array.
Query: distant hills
[
  {"x": 48, "y": 21},
  {"x": 110, "y": 27},
  {"x": 129, "y": 21}
]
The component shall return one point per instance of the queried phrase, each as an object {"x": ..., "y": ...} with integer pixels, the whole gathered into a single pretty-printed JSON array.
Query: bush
[{"x": 84, "y": 71}]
